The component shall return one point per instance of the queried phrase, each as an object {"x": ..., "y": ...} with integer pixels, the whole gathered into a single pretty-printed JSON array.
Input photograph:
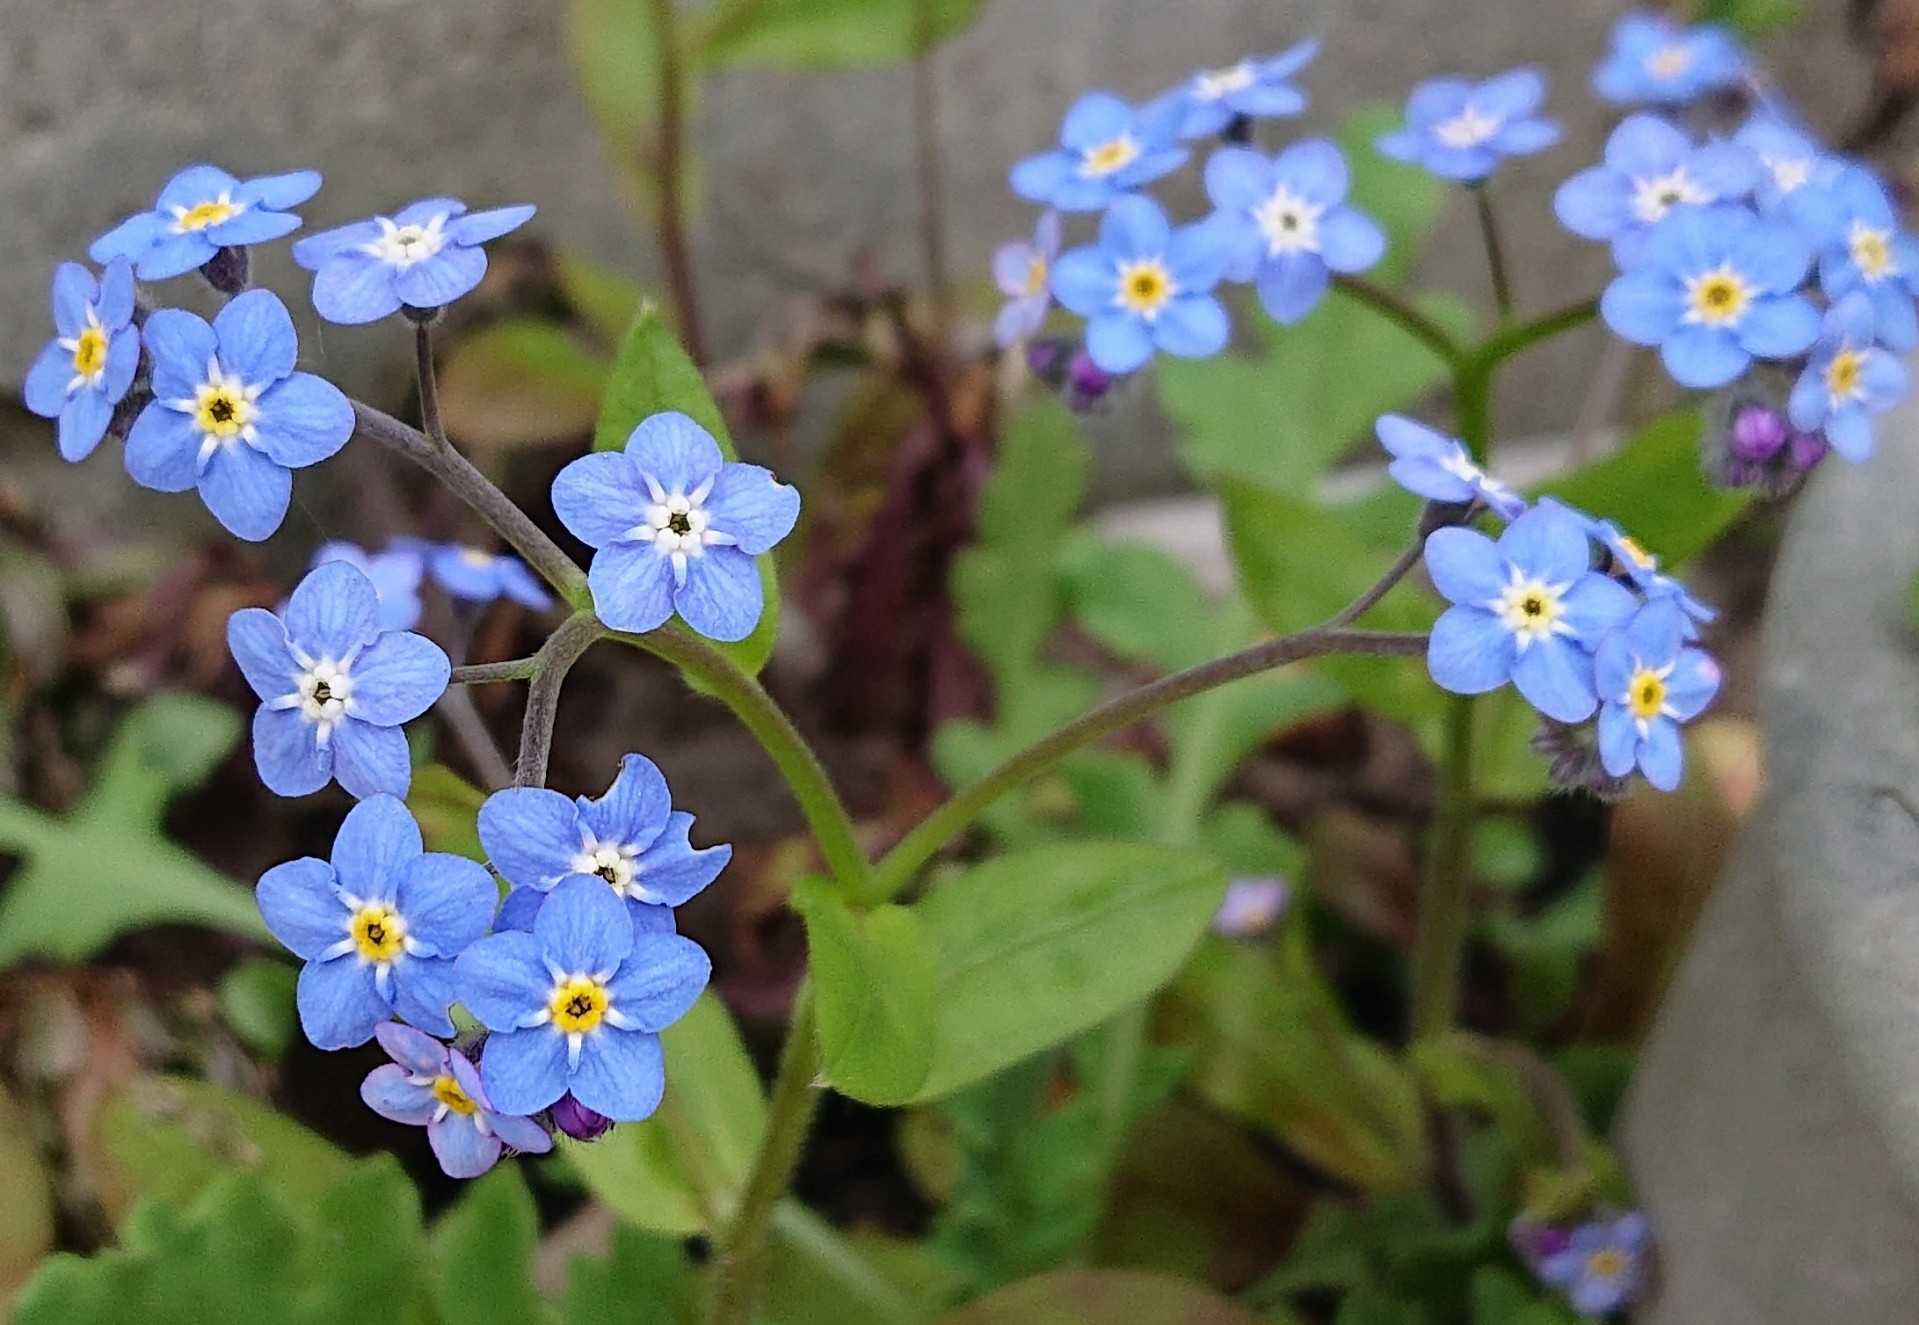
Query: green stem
[
  {"x": 1510, "y": 340},
  {"x": 1395, "y": 309},
  {"x": 1444, "y": 899},
  {"x": 1495, "y": 251},
  {"x": 474, "y": 674}
]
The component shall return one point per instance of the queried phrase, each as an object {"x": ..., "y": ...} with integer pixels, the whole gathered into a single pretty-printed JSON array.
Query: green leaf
[
  {"x": 1138, "y": 601},
  {"x": 1652, "y": 487},
  {"x": 603, "y": 298},
  {"x": 820, "y": 1275},
  {"x": 517, "y": 381},
  {"x": 1037, "y": 946},
  {"x": 640, "y": 1267},
  {"x": 483, "y": 1248},
  {"x": 1462, "y": 1071},
  {"x": 367, "y": 1245},
  {"x": 830, "y": 34},
  {"x": 448, "y": 808},
  {"x": 616, "y": 57},
  {"x": 873, "y": 984},
  {"x": 57, "y": 904},
  {"x": 256, "y": 998},
  {"x": 1405, "y": 199},
  {"x": 1755, "y": 18},
  {"x": 1546, "y": 953},
  {"x": 1103, "y": 1297},
  {"x": 1372, "y": 1306}
]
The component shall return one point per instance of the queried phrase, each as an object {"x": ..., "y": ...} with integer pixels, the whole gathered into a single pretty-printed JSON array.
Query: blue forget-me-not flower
[
  {"x": 1655, "y": 60},
  {"x": 1847, "y": 380},
  {"x": 1648, "y": 684},
  {"x": 378, "y": 926},
  {"x": 230, "y": 415},
  {"x": 1286, "y": 225},
  {"x": 479, "y": 576},
  {"x": 578, "y": 1004},
  {"x": 334, "y": 687},
  {"x": 1650, "y": 169},
  {"x": 1797, "y": 174},
  {"x": 1460, "y": 130},
  {"x": 1023, "y": 271},
  {"x": 422, "y": 257},
  {"x": 676, "y": 527},
  {"x": 1145, "y": 287},
  {"x": 1528, "y": 609},
  {"x": 1432, "y": 465},
  {"x": 431, "y": 1085},
  {"x": 1256, "y": 87},
  {"x": 1107, "y": 148},
  {"x": 86, "y": 369},
  {"x": 394, "y": 573},
  {"x": 1865, "y": 249},
  {"x": 1602, "y": 1266},
  {"x": 1641, "y": 568},
  {"x": 202, "y": 210},
  {"x": 1716, "y": 289}
]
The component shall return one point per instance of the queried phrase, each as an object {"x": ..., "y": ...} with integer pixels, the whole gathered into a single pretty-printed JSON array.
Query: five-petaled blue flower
[
  {"x": 578, "y": 1004},
  {"x": 1107, "y": 148},
  {"x": 1461, "y": 131},
  {"x": 631, "y": 839},
  {"x": 1602, "y": 1265},
  {"x": 1631, "y": 559},
  {"x": 436, "y": 1087},
  {"x": 230, "y": 415},
  {"x": 201, "y": 211},
  {"x": 1023, "y": 271},
  {"x": 1864, "y": 249},
  {"x": 1651, "y": 168},
  {"x": 86, "y": 368},
  {"x": 334, "y": 687},
  {"x": 1432, "y": 465},
  {"x": 423, "y": 257},
  {"x": 1648, "y": 684},
  {"x": 1258, "y": 88},
  {"x": 394, "y": 574},
  {"x": 1654, "y": 59},
  {"x": 1715, "y": 291},
  {"x": 676, "y": 527},
  {"x": 1528, "y": 609},
  {"x": 1797, "y": 174},
  {"x": 1286, "y": 223},
  {"x": 379, "y": 927},
  {"x": 479, "y": 576},
  {"x": 1145, "y": 286},
  {"x": 1847, "y": 380}
]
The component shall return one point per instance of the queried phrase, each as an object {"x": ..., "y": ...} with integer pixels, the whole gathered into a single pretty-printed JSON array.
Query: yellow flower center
[
  {"x": 1530, "y": 609},
  {"x": 378, "y": 932},
  {"x": 1035, "y": 275},
  {"x": 1717, "y": 298},
  {"x": 475, "y": 558},
  {"x": 577, "y": 1004},
  {"x": 222, "y": 412},
  {"x": 1606, "y": 1263},
  {"x": 1145, "y": 286},
  {"x": 90, "y": 351},
  {"x": 203, "y": 214},
  {"x": 447, "y": 1091},
  {"x": 1109, "y": 156},
  {"x": 1871, "y": 251},
  {"x": 1842, "y": 374},
  {"x": 1636, "y": 554},
  {"x": 1646, "y": 695},
  {"x": 1669, "y": 61}
]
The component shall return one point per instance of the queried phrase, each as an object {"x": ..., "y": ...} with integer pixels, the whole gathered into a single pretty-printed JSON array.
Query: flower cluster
[{"x": 1575, "y": 614}]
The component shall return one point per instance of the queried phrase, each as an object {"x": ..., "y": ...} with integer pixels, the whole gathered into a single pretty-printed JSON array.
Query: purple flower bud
[
  {"x": 1757, "y": 433},
  {"x": 1047, "y": 357},
  {"x": 1086, "y": 382},
  {"x": 578, "y": 1121},
  {"x": 1806, "y": 449}
]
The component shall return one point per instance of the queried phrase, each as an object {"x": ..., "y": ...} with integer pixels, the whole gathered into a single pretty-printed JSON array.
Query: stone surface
[{"x": 1773, "y": 1128}]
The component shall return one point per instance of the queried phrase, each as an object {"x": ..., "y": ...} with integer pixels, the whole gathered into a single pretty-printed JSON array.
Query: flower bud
[
  {"x": 578, "y": 1121},
  {"x": 1571, "y": 753},
  {"x": 228, "y": 270}
]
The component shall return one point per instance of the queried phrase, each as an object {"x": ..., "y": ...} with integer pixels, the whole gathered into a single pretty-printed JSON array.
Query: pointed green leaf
[
  {"x": 484, "y": 1249},
  {"x": 873, "y": 986}
]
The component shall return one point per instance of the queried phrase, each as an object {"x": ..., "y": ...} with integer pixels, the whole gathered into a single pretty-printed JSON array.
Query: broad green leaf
[
  {"x": 873, "y": 985},
  {"x": 367, "y": 1245},
  {"x": 603, "y": 298},
  {"x": 670, "y": 1173},
  {"x": 1118, "y": 794},
  {"x": 639, "y": 1267},
  {"x": 1653, "y": 489},
  {"x": 106, "y": 869},
  {"x": 256, "y": 998},
  {"x": 1138, "y": 601},
  {"x": 448, "y": 808},
  {"x": 520, "y": 380},
  {"x": 1466, "y": 1072},
  {"x": 1103, "y": 1297},
  {"x": 616, "y": 58},
  {"x": 1405, "y": 199},
  {"x": 1247, "y": 842},
  {"x": 829, "y": 34},
  {"x": 1034, "y": 947},
  {"x": 819, "y": 1275},
  {"x": 484, "y": 1248}
]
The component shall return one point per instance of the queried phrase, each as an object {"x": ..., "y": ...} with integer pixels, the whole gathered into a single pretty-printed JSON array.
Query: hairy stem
[
  {"x": 1396, "y": 309},
  {"x": 550, "y": 666},
  {"x": 669, "y": 166},
  {"x": 430, "y": 418},
  {"x": 473, "y": 674},
  {"x": 1495, "y": 251}
]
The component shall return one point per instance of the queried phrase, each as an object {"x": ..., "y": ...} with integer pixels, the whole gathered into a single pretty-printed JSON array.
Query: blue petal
[
  {"x": 288, "y": 758},
  {"x": 278, "y": 192},
  {"x": 1726, "y": 170},
  {"x": 73, "y": 289},
  {"x": 1549, "y": 542},
  {"x": 411, "y": 1049},
  {"x": 1464, "y": 564},
  {"x": 339, "y": 1006},
  {"x": 1703, "y": 357},
  {"x": 1849, "y": 430},
  {"x": 502, "y": 979},
  {"x": 1556, "y": 678},
  {"x": 303, "y": 420},
  {"x": 1291, "y": 285},
  {"x": 1314, "y": 169},
  {"x": 722, "y": 598},
  {"x": 1084, "y": 281},
  {"x": 632, "y": 586},
  {"x": 300, "y": 906},
  {"x": 524, "y": 1070},
  {"x": 376, "y": 840},
  {"x": 333, "y": 611},
  {"x": 1646, "y": 145},
  {"x": 1095, "y": 118},
  {"x": 1192, "y": 327},
  {"x": 1469, "y": 652},
  {"x": 649, "y": 919},
  {"x": 1437, "y": 99},
  {"x": 1350, "y": 240},
  {"x": 1692, "y": 685},
  {"x": 583, "y": 927},
  {"x": 1512, "y": 94},
  {"x": 195, "y": 184},
  {"x": 1779, "y": 328},
  {"x": 448, "y": 901},
  {"x": 442, "y": 278},
  {"x": 518, "y": 909},
  {"x": 1040, "y": 178},
  {"x": 423, "y": 989},
  {"x": 115, "y": 306},
  {"x": 246, "y": 491},
  {"x": 1773, "y": 256},
  {"x": 521, "y": 585},
  {"x": 181, "y": 345},
  {"x": 530, "y": 834},
  {"x": 370, "y": 760},
  {"x": 46, "y": 385},
  {"x": 1197, "y": 255},
  {"x": 1661, "y": 757},
  {"x": 1883, "y": 381},
  {"x": 162, "y": 450},
  {"x": 123, "y": 361},
  {"x": 1238, "y": 178},
  {"x": 458, "y": 1145},
  {"x": 352, "y": 288},
  {"x": 1613, "y": 668},
  {"x": 389, "y": 1091},
  {"x": 400, "y": 676},
  {"x": 599, "y": 497},
  {"x": 753, "y": 506},
  {"x": 257, "y": 639},
  {"x": 1893, "y": 314},
  {"x": 480, "y": 227},
  {"x": 634, "y": 809},
  {"x": 1594, "y": 203},
  {"x": 1595, "y": 606},
  {"x": 1655, "y": 633},
  {"x": 673, "y": 450},
  {"x": 1524, "y": 137},
  {"x": 522, "y": 1134},
  {"x": 660, "y": 981},
  {"x": 1118, "y": 342},
  {"x": 175, "y": 255},
  {"x": 313, "y": 251},
  {"x": 82, "y": 424},
  {"x": 129, "y": 239},
  {"x": 1618, "y": 740},
  {"x": 1134, "y": 227},
  {"x": 1462, "y": 164},
  {"x": 622, "y": 1074},
  {"x": 1400, "y": 145},
  {"x": 1643, "y": 306},
  {"x": 1810, "y": 402},
  {"x": 423, "y": 211},
  {"x": 254, "y": 226},
  {"x": 672, "y": 870}
]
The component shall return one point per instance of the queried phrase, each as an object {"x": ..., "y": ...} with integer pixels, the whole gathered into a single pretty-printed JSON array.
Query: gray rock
[{"x": 1773, "y": 1127}]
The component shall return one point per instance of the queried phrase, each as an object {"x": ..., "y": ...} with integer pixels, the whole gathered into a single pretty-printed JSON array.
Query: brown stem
[
  {"x": 669, "y": 174},
  {"x": 430, "y": 418},
  {"x": 550, "y": 666}
]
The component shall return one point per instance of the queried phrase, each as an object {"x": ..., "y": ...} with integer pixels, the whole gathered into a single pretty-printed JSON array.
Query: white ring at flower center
[{"x": 1289, "y": 222}]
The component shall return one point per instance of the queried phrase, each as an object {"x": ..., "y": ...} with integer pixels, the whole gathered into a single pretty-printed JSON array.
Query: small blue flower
[
  {"x": 1145, "y": 286},
  {"x": 578, "y": 1005},
  {"x": 1212, "y": 99},
  {"x": 378, "y": 927},
  {"x": 1251, "y": 907},
  {"x": 436, "y": 1087},
  {"x": 1654, "y": 59},
  {"x": 1286, "y": 225},
  {"x": 334, "y": 687},
  {"x": 1715, "y": 291},
  {"x": 1864, "y": 249},
  {"x": 631, "y": 839},
  {"x": 1528, "y": 609},
  {"x": 1651, "y": 168},
  {"x": 1798, "y": 175},
  {"x": 230, "y": 416},
  {"x": 1107, "y": 148},
  {"x": 1603, "y": 1266},
  {"x": 1460, "y": 130},
  {"x": 424, "y": 256},
  {"x": 1847, "y": 381},
  {"x": 87, "y": 367},
  {"x": 1641, "y": 568},
  {"x": 479, "y": 576},
  {"x": 201, "y": 211},
  {"x": 1649, "y": 683},
  {"x": 1023, "y": 269},
  {"x": 394, "y": 574},
  {"x": 676, "y": 527},
  {"x": 1432, "y": 465}
]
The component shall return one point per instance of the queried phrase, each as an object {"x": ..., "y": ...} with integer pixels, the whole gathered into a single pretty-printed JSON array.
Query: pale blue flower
[
  {"x": 1107, "y": 148},
  {"x": 201, "y": 211},
  {"x": 1653, "y": 59},
  {"x": 1286, "y": 224},
  {"x": 1145, "y": 287},
  {"x": 1257, "y": 88},
  {"x": 394, "y": 574},
  {"x": 1847, "y": 380},
  {"x": 1648, "y": 684},
  {"x": 1651, "y": 169},
  {"x": 479, "y": 576},
  {"x": 1631, "y": 559},
  {"x": 1023, "y": 271},
  {"x": 431, "y": 1085},
  {"x": 1432, "y": 465},
  {"x": 1797, "y": 177},
  {"x": 422, "y": 257},
  {"x": 1865, "y": 249},
  {"x": 1461, "y": 130},
  {"x": 86, "y": 369}
]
